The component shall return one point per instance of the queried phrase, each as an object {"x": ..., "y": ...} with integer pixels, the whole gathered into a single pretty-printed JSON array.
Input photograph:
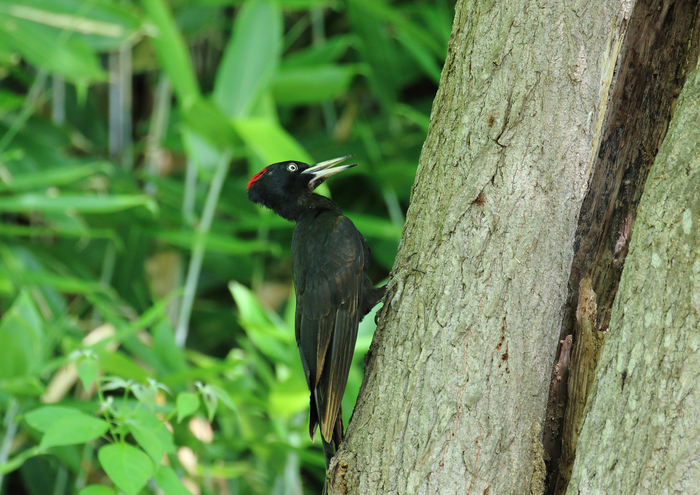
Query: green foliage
[{"x": 125, "y": 230}]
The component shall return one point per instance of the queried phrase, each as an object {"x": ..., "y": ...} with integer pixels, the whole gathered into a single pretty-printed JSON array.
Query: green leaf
[
  {"x": 76, "y": 203},
  {"x": 377, "y": 227},
  {"x": 43, "y": 417},
  {"x": 118, "y": 363},
  {"x": 270, "y": 142},
  {"x": 426, "y": 60},
  {"x": 55, "y": 176},
  {"x": 250, "y": 58},
  {"x": 88, "y": 368},
  {"x": 10, "y": 102},
  {"x": 172, "y": 51},
  {"x": 103, "y": 25},
  {"x": 73, "y": 429},
  {"x": 145, "y": 420},
  {"x": 202, "y": 151},
  {"x": 210, "y": 123},
  {"x": 22, "y": 385},
  {"x": 211, "y": 401},
  {"x": 265, "y": 329},
  {"x": 128, "y": 467},
  {"x": 187, "y": 403},
  {"x": 290, "y": 396},
  {"x": 70, "y": 57},
  {"x": 62, "y": 283},
  {"x": 381, "y": 9},
  {"x": 148, "y": 442},
  {"x": 165, "y": 348},
  {"x": 329, "y": 52},
  {"x": 167, "y": 480},
  {"x": 96, "y": 490},
  {"x": 217, "y": 243},
  {"x": 309, "y": 85},
  {"x": 223, "y": 396},
  {"x": 21, "y": 334},
  {"x": 146, "y": 395}
]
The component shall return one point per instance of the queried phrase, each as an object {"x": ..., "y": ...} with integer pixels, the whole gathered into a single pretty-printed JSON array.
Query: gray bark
[
  {"x": 457, "y": 377},
  {"x": 641, "y": 433}
]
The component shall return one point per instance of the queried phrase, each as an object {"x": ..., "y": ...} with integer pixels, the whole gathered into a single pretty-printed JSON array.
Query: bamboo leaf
[
  {"x": 250, "y": 59},
  {"x": 172, "y": 51},
  {"x": 74, "y": 203},
  {"x": 310, "y": 85},
  {"x": 270, "y": 142},
  {"x": 69, "y": 57}
]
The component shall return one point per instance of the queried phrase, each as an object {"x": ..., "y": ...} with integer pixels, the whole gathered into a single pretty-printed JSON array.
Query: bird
[{"x": 330, "y": 260}]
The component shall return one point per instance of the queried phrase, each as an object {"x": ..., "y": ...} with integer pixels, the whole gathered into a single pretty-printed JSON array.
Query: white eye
[{"x": 292, "y": 167}]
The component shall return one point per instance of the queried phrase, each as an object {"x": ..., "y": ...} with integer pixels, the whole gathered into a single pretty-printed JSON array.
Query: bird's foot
[{"x": 394, "y": 288}]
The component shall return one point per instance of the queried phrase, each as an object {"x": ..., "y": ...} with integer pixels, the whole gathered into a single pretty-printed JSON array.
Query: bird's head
[{"x": 281, "y": 184}]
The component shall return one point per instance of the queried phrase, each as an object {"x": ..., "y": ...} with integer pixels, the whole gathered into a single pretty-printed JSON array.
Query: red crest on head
[{"x": 254, "y": 178}]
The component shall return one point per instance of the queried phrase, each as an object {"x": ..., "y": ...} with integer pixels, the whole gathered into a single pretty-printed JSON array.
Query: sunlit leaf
[
  {"x": 129, "y": 467},
  {"x": 167, "y": 480},
  {"x": 187, "y": 403},
  {"x": 250, "y": 58},
  {"x": 223, "y": 396},
  {"x": 309, "y": 85},
  {"x": 211, "y": 401},
  {"x": 328, "y": 52},
  {"x": 88, "y": 368},
  {"x": 102, "y": 25},
  {"x": 207, "y": 120},
  {"x": 146, "y": 395},
  {"x": 43, "y": 417},
  {"x": 143, "y": 420},
  {"x": 217, "y": 243},
  {"x": 148, "y": 441},
  {"x": 73, "y": 429},
  {"x": 21, "y": 333},
  {"x": 70, "y": 57},
  {"x": 67, "y": 203},
  {"x": 270, "y": 142},
  {"x": 54, "y": 176},
  {"x": 172, "y": 51}
]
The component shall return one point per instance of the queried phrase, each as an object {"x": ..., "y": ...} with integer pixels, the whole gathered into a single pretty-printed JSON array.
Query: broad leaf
[
  {"x": 73, "y": 429},
  {"x": 129, "y": 467}
]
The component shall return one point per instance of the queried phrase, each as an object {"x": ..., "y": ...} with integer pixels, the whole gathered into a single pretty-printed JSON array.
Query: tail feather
[{"x": 331, "y": 447}]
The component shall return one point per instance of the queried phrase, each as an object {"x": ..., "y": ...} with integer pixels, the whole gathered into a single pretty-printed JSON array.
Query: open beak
[{"x": 321, "y": 171}]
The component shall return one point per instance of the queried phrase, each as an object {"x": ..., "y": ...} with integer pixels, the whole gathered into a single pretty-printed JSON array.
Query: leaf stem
[
  {"x": 10, "y": 432},
  {"x": 199, "y": 248}
]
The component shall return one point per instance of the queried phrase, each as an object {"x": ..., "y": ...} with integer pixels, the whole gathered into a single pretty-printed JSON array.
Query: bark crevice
[{"x": 651, "y": 71}]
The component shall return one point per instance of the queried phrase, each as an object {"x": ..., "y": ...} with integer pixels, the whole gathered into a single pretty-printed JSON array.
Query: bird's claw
[{"x": 394, "y": 289}]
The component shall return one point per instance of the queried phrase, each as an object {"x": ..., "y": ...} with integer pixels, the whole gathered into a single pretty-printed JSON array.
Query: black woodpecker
[{"x": 330, "y": 259}]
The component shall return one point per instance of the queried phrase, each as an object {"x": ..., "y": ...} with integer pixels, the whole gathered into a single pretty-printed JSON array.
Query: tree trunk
[
  {"x": 547, "y": 119},
  {"x": 641, "y": 433},
  {"x": 456, "y": 382}
]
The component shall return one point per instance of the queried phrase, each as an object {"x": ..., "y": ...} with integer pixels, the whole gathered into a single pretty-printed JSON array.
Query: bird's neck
[{"x": 305, "y": 203}]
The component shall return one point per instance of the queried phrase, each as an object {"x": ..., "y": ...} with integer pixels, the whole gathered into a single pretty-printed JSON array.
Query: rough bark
[
  {"x": 641, "y": 433},
  {"x": 651, "y": 71},
  {"x": 457, "y": 379}
]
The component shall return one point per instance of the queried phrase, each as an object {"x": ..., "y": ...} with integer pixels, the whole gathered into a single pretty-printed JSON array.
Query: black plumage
[{"x": 333, "y": 292}]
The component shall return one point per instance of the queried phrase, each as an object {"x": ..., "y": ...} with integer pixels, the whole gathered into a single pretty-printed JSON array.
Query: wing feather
[{"x": 328, "y": 278}]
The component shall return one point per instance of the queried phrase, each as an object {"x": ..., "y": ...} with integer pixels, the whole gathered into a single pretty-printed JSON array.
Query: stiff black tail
[{"x": 330, "y": 448}]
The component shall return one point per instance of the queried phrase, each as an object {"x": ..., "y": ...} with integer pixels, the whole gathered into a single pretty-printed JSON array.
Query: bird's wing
[{"x": 328, "y": 279}]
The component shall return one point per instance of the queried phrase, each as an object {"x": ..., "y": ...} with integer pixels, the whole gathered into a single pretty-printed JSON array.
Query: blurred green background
[{"x": 138, "y": 286}]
